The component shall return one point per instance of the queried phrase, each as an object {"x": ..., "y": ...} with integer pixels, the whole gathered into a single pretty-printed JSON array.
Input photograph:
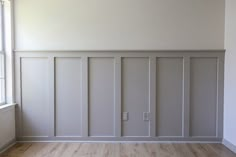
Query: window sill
[{"x": 7, "y": 106}]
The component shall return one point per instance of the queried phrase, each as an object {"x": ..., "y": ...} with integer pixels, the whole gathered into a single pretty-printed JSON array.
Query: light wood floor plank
[{"x": 116, "y": 150}]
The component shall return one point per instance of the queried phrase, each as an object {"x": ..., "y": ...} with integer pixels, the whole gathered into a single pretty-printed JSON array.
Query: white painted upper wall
[
  {"x": 230, "y": 73},
  {"x": 119, "y": 24}
]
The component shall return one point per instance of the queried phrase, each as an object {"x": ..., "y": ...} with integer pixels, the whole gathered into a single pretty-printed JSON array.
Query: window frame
[
  {"x": 3, "y": 78},
  {"x": 3, "y": 54}
]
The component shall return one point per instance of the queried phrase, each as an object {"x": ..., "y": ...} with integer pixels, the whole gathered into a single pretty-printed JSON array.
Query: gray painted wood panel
[
  {"x": 152, "y": 95},
  {"x": 101, "y": 96},
  {"x": 220, "y": 97},
  {"x": 107, "y": 83},
  {"x": 135, "y": 95},
  {"x": 68, "y": 96},
  {"x": 169, "y": 96},
  {"x": 186, "y": 96},
  {"x": 118, "y": 96},
  {"x": 35, "y": 105},
  {"x": 203, "y": 96},
  {"x": 51, "y": 121},
  {"x": 84, "y": 96}
]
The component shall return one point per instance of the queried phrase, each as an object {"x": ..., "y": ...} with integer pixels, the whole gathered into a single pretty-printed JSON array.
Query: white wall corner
[
  {"x": 229, "y": 145},
  {"x": 7, "y": 146}
]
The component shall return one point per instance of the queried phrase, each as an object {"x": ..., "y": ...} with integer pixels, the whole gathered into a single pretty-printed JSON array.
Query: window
[
  {"x": 2, "y": 78},
  {"x": 2, "y": 56}
]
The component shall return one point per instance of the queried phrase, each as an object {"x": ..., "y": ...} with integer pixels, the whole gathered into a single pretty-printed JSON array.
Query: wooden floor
[{"x": 116, "y": 150}]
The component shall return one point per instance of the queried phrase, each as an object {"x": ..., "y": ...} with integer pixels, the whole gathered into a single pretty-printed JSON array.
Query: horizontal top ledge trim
[
  {"x": 7, "y": 106},
  {"x": 127, "y": 51}
]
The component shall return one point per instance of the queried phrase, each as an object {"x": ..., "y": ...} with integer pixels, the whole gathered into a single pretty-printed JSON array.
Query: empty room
[{"x": 117, "y": 78}]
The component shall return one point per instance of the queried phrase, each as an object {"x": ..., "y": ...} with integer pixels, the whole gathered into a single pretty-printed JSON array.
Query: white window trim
[
  {"x": 3, "y": 52},
  {"x": 6, "y": 106}
]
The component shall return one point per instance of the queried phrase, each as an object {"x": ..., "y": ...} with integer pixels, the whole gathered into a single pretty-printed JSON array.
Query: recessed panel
[
  {"x": 203, "y": 97},
  {"x": 169, "y": 96},
  {"x": 35, "y": 99},
  {"x": 101, "y": 97},
  {"x": 68, "y": 96},
  {"x": 135, "y": 96}
]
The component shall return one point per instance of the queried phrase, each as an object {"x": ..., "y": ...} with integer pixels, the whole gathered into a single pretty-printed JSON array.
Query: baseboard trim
[
  {"x": 229, "y": 145},
  {"x": 121, "y": 142},
  {"x": 123, "y": 139},
  {"x": 126, "y": 51},
  {"x": 7, "y": 146}
]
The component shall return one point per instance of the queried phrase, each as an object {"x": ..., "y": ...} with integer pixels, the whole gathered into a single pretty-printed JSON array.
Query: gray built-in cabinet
[{"x": 119, "y": 95}]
